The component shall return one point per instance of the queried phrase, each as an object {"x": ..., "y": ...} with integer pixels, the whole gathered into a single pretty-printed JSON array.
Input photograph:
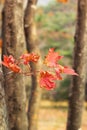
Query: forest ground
[{"x": 53, "y": 116}]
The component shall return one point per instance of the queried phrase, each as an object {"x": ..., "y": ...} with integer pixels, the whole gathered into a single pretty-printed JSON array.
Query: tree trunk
[
  {"x": 80, "y": 58},
  {"x": 14, "y": 44},
  {"x": 31, "y": 40},
  {"x": 3, "y": 107}
]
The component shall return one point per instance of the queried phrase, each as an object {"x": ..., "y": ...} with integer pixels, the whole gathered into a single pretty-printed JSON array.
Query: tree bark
[
  {"x": 3, "y": 108},
  {"x": 14, "y": 44},
  {"x": 80, "y": 58},
  {"x": 32, "y": 46}
]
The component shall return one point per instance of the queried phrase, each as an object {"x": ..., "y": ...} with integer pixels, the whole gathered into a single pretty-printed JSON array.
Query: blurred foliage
[
  {"x": 63, "y": 90},
  {"x": 60, "y": 93},
  {"x": 56, "y": 27}
]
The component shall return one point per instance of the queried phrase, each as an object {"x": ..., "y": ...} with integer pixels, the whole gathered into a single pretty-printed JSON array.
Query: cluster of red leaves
[
  {"x": 13, "y": 64},
  {"x": 30, "y": 57},
  {"x": 46, "y": 78}
]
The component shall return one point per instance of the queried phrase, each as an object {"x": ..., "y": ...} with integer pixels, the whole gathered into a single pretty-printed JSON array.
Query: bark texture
[
  {"x": 3, "y": 107},
  {"x": 14, "y": 44},
  {"x": 32, "y": 46},
  {"x": 80, "y": 58}
]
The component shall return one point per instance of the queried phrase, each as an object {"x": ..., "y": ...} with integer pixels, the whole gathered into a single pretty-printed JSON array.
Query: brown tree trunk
[
  {"x": 32, "y": 46},
  {"x": 3, "y": 107},
  {"x": 14, "y": 44},
  {"x": 80, "y": 58}
]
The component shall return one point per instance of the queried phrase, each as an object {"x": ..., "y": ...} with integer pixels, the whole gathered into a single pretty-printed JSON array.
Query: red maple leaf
[
  {"x": 63, "y": 69},
  {"x": 9, "y": 62},
  {"x": 15, "y": 68},
  {"x": 47, "y": 80},
  {"x": 70, "y": 71},
  {"x": 52, "y": 58},
  {"x": 29, "y": 57}
]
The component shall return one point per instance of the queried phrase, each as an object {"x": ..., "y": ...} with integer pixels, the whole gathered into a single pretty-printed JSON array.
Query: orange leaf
[
  {"x": 62, "y": 1},
  {"x": 9, "y": 62},
  {"x": 1, "y": 42},
  {"x": 15, "y": 68}
]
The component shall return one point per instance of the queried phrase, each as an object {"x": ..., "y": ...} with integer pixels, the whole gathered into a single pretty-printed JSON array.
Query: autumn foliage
[
  {"x": 10, "y": 62},
  {"x": 62, "y": 1},
  {"x": 30, "y": 57},
  {"x": 48, "y": 76},
  {"x": 0, "y": 43}
]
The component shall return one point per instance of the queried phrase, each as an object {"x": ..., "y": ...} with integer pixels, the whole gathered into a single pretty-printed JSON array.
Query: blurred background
[{"x": 55, "y": 27}]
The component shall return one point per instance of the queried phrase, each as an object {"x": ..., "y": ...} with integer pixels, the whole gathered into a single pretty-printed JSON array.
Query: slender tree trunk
[
  {"x": 14, "y": 44},
  {"x": 31, "y": 40},
  {"x": 80, "y": 58}
]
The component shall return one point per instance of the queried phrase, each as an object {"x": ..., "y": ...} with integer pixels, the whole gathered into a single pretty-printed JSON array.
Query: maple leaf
[
  {"x": 9, "y": 62},
  {"x": 63, "y": 69},
  {"x": 70, "y": 71},
  {"x": 15, "y": 68},
  {"x": 29, "y": 57},
  {"x": 47, "y": 80},
  {"x": 62, "y": 1},
  {"x": 52, "y": 58}
]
